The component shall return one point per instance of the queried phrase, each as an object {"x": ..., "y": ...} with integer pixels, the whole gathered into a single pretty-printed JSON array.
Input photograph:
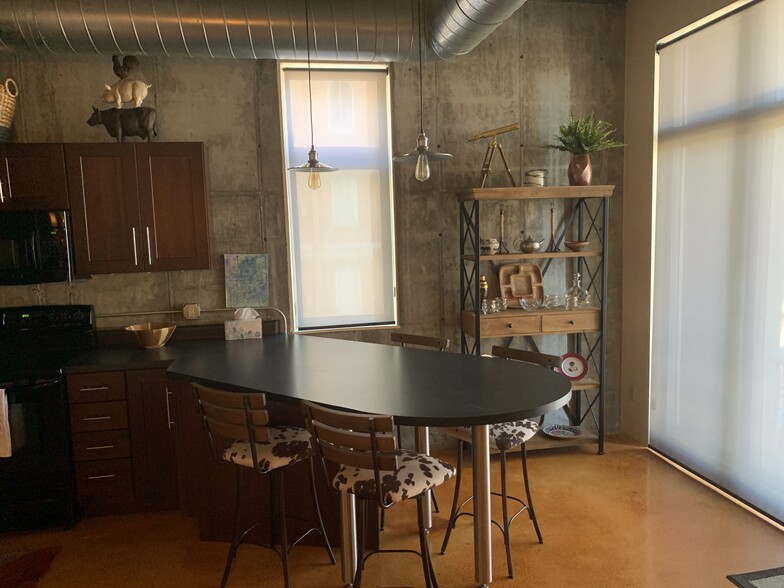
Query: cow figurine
[
  {"x": 126, "y": 122},
  {"x": 125, "y": 91}
]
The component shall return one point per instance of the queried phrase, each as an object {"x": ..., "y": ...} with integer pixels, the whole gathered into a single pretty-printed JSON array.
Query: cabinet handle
[
  {"x": 510, "y": 325},
  {"x": 149, "y": 247},
  {"x": 168, "y": 410},
  {"x": 135, "y": 254},
  {"x": 97, "y": 447},
  {"x": 2, "y": 196},
  {"x": 104, "y": 477},
  {"x": 100, "y": 418},
  {"x": 571, "y": 322},
  {"x": 93, "y": 388}
]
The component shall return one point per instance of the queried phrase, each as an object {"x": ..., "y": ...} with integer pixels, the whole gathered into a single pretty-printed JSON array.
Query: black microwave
[{"x": 34, "y": 247}]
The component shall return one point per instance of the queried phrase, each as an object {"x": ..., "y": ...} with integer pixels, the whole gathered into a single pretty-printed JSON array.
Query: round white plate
[{"x": 573, "y": 366}]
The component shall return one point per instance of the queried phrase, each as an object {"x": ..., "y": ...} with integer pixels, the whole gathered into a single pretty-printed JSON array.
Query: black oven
[
  {"x": 34, "y": 247},
  {"x": 37, "y": 482}
]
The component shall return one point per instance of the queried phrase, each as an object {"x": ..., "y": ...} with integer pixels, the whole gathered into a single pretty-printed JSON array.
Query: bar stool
[
  {"x": 504, "y": 437},
  {"x": 236, "y": 425},
  {"x": 419, "y": 341},
  {"x": 373, "y": 469}
]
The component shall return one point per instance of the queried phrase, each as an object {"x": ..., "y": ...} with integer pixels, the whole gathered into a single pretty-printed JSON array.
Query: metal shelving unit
[{"x": 587, "y": 218}]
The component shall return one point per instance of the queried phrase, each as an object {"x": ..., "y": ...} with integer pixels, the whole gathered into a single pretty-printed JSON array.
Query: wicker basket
[{"x": 8, "y": 93}]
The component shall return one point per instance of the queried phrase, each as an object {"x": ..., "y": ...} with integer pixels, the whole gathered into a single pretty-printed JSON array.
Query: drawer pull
[
  {"x": 99, "y": 418},
  {"x": 510, "y": 325},
  {"x": 104, "y": 477},
  {"x": 93, "y": 388},
  {"x": 97, "y": 447},
  {"x": 169, "y": 421},
  {"x": 571, "y": 322}
]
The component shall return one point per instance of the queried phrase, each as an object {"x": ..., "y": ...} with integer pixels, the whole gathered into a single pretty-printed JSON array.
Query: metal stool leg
[
  {"x": 281, "y": 508},
  {"x": 427, "y": 566},
  {"x": 505, "y": 511},
  {"x": 236, "y": 535},
  {"x": 362, "y": 508},
  {"x": 531, "y": 512},
  {"x": 317, "y": 509},
  {"x": 453, "y": 513}
]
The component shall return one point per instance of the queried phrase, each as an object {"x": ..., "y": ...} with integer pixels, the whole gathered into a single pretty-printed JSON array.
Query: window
[
  {"x": 717, "y": 349},
  {"x": 342, "y": 234}
]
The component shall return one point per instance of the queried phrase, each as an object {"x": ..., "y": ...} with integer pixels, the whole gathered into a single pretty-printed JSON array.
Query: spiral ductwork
[{"x": 341, "y": 30}]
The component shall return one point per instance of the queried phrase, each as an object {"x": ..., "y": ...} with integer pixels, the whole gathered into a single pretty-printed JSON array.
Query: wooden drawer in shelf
[
  {"x": 108, "y": 481},
  {"x": 503, "y": 326},
  {"x": 520, "y": 322},
  {"x": 571, "y": 322},
  {"x": 96, "y": 387},
  {"x": 98, "y": 416},
  {"x": 101, "y": 445}
]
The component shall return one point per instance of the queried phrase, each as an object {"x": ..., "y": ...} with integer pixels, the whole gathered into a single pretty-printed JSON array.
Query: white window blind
[
  {"x": 341, "y": 235},
  {"x": 717, "y": 349}
]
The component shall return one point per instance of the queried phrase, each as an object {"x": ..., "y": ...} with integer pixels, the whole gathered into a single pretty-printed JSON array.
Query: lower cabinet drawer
[
  {"x": 98, "y": 416},
  {"x": 101, "y": 445},
  {"x": 106, "y": 482}
]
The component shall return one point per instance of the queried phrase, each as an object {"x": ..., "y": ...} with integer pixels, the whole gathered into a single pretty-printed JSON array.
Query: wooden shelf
[
  {"x": 585, "y": 384},
  {"x": 535, "y": 193},
  {"x": 540, "y": 255}
]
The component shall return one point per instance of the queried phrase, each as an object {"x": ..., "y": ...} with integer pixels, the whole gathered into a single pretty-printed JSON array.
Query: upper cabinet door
[
  {"x": 32, "y": 177},
  {"x": 105, "y": 208},
  {"x": 174, "y": 205}
]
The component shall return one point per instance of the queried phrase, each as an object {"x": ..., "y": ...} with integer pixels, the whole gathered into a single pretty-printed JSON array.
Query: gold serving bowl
[
  {"x": 152, "y": 335},
  {"x": 577, "y": 245}
]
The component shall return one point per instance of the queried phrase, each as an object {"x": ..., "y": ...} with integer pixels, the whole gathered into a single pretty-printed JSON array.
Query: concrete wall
[
  {"x": 647, "y": 21},
  {"x": 552, "y": 58}
]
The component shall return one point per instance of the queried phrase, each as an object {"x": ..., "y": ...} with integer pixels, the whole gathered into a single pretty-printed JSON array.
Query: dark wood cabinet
[
  {"x": 99, "y": 427},
  {"x": 173, "y": 199},
  {"x": 151, "y": 412},
  {"x": 124, "y": 441},
  {"x": 138, "y": 207},
  {"x": 32, "y": 176}
]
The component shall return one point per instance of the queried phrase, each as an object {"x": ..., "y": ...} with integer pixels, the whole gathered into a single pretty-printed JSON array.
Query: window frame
[{"x": 293, "y": 264}]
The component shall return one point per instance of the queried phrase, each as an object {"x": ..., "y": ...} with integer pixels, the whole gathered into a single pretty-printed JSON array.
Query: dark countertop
[
  {"x": 416, "y": 386},
  {"x": 123, "y": 357},
  {"x": 117, "y": 350}
]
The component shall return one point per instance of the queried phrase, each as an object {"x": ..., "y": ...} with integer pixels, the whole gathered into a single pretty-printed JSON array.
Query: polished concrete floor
[{"x": 625, "y": 519}]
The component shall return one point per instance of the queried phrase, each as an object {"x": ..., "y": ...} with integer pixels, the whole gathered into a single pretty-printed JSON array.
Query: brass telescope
[{"x": 494, "y": 132}]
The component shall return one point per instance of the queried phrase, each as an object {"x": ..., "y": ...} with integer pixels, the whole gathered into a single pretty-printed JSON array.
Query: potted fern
[{"x": 581, "y": 137}]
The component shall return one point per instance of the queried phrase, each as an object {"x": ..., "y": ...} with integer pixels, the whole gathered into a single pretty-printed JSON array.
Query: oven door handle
[{"x": 44, "y": 384}]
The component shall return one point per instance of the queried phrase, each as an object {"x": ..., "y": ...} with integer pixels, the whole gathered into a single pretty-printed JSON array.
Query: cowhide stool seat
[
  {"x": 504, "y": 437},
  {"x": 373, "y": 469},
  {"x": 237, "y": 431}
]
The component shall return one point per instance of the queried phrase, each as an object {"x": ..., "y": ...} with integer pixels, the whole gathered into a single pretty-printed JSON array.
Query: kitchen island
[{"x": 417, "y": 387}]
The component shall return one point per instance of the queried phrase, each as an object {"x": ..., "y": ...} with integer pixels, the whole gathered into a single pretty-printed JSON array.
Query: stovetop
[{"x": 37, "y": 341}]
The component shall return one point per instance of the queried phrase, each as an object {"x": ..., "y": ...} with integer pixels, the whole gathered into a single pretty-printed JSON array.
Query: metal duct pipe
[
  {"x": 460, "y": 25},
  {"x": 342, "y": 30}
]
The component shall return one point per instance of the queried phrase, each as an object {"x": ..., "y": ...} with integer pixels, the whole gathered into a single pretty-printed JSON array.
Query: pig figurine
[
  {"x": 125, "y": 91},
  {"x": 126, "y": 122}
]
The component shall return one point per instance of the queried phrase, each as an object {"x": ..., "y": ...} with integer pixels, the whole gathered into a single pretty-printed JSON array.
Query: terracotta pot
[{"x": 580, "y": 171}]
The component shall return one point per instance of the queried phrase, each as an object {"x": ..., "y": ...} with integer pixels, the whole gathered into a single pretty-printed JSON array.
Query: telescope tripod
[{"x": 491, "y": 148}]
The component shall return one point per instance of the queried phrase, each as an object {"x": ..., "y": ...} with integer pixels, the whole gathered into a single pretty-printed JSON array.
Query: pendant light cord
[
  {"x": 421, "y": 86},
  {"x": 310, "y": 89}
]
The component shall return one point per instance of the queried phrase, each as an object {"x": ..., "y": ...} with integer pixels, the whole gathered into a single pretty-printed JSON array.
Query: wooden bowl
[{"x": 577, "y": 245}]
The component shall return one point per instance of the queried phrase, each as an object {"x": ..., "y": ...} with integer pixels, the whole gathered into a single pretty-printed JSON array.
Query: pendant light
[
  {"x": 422, "y": 153},
  {"x": 314, "y": 168}
]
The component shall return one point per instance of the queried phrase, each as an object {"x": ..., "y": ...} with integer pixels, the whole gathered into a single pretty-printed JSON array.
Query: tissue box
[{"x": 242, "y": 329}]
